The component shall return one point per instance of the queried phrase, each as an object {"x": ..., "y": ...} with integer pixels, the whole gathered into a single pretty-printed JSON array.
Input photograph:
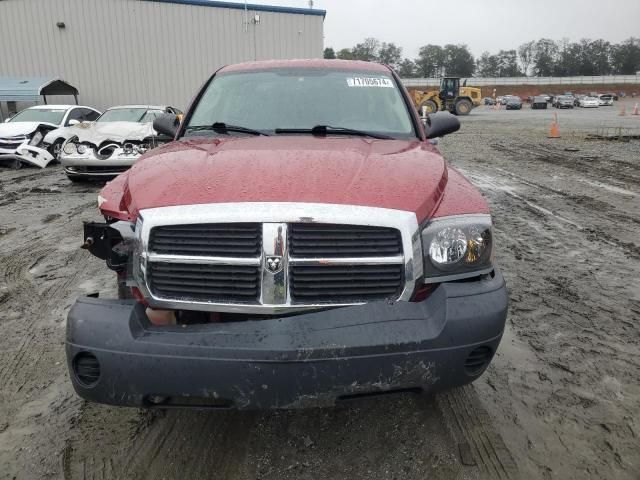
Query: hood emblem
[{"x": 274, "y": 263}]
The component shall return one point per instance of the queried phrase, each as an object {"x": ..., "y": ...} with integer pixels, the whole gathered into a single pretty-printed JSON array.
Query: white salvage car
[
  {"x": 588, "y": 102},
  {"x": 605, "y": 100},
  {"x": 22, "y": 136},
  {"x": 113, "y": 142}
]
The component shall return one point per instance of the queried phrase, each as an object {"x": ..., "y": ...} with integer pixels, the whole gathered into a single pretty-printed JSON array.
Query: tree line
[{"x": 541, "y": 58}]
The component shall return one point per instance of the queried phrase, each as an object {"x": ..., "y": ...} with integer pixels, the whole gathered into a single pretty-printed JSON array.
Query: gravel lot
[{"x": 561, "y": 400}]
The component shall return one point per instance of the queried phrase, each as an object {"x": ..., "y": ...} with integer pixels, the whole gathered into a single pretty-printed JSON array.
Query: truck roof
[{"x": 308, "y": 63}]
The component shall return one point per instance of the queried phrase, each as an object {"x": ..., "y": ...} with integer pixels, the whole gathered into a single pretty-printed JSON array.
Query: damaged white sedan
[
  {"x": 22, "y": 136},
  {"x": 113, "y": 143}
]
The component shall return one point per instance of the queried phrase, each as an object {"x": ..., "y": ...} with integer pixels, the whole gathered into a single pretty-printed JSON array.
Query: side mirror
[
  {"x": 73, "y": 122},
  {"x": 167, "y": 124},
  {"x": 441, "y": 123}
]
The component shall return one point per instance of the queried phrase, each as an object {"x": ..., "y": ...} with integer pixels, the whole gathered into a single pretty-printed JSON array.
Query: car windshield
[
  {"x": 123, "y": 115},
  {"x": 45, "y": 115},
  {"x": 267, "y": 100}
]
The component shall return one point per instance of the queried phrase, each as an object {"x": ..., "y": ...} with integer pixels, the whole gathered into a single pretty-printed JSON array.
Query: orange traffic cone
[
  {"x": 635, "y": 110},
  {"x": 555, "y": 130},
  {"x": 623, "y": 110}
]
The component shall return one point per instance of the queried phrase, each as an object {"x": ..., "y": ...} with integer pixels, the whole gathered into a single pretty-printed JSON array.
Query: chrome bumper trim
[{"x": 155, "y": 257}]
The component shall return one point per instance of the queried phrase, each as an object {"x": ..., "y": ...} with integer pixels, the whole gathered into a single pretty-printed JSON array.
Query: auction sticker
[{"x": 369, "y": 82}]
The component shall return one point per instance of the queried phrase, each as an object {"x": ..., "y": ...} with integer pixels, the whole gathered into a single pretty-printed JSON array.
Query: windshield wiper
[
  {"x": 327, "y": 129},
  {"x": 221, "y": 127}
]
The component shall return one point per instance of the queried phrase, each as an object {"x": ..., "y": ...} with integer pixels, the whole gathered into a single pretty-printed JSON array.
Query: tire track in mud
[
  {"x": 38, "y": 271},
  {"x": 623, "y": 172},
  {"x": 472, "y": 425},
  {"x": 246, "y": 445},
  {"x": 571, "y": 304},
  {"x": 20, "y": 292},
  {"x": 595, "y": 208}
]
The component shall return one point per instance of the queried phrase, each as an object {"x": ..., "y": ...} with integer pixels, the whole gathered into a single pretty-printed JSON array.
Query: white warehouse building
[{"x": 147, "y": 51}]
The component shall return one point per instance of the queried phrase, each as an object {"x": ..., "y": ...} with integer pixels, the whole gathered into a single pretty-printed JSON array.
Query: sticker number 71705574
[{"x": 369, "y": 82}]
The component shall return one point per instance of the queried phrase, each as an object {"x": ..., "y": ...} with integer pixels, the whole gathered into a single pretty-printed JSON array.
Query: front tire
[
  {"x": 463, "y": 107},
  {"x": 55, "y": 148},
  {"x": 431, "y": 106}
]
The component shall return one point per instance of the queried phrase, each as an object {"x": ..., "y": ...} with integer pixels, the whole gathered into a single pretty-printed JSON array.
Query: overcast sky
[{"x": 486, "y": 25}]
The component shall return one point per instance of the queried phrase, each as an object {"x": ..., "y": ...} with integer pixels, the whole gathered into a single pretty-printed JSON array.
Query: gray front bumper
[{"x": 311, "y": 359}]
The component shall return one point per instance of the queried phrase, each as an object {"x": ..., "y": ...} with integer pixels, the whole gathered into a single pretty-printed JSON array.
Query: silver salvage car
[{"x": 113, "y": 143}]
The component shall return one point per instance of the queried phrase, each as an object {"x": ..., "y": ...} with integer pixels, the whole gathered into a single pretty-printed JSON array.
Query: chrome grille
[
  {"x": 275, "y": 257},
  {"x": 11, "y": 143},
  {"x": 345, "y": 283},
  {"x": 318, "y": 240},
  {"x": 212, "y": 239}
]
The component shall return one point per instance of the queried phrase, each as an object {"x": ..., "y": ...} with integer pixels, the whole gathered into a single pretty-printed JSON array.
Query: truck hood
[
  {"x": 396, "y": 174},
  {"x": 14, "y": 129},
  {"x": 96, "y": 133}
]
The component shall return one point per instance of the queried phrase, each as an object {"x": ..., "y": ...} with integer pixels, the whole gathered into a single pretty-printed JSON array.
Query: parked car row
[
  {"x": 566, "y": 100},
  {"x": 87, "y": 142}
]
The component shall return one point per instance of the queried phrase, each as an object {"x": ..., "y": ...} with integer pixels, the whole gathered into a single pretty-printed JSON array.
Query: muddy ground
[{"x": 561, "y": 400}]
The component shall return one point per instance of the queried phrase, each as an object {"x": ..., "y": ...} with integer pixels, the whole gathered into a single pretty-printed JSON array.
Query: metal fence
[{"x": 485, "y": 81}]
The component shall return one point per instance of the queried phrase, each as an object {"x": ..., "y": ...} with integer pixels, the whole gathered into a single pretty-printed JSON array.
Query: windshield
[
  {"x": 304, "y": 98},
  {"x": 123, "y": 115},
  {"x": 45, "y": 115}
]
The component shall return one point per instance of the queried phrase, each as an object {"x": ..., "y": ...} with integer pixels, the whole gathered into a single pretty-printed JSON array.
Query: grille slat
[
  {"x": 328, "y": 283},
  {"x": 222, "y": 293},
  {"x": 208, "y": 283},
  {"x": 322, "y": 240},
  {"x": 160, "y": 284},
  {"x": 235, "y": 239},
  {"x": 339, "y": 278}
]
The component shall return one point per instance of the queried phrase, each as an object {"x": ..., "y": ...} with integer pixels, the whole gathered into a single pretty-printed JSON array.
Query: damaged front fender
[{"x": 111, "y": 242}]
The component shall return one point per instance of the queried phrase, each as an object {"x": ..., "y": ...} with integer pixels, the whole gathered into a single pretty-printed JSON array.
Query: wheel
[
  {"x": 124, "y": 292},
  {"x": 430, "y": 105},
  {"x": 55, "y": 147},
  {"x": 463, "y": 107}
]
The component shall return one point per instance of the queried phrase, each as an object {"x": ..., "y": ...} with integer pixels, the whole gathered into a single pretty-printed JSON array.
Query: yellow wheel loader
[{"x": 451, "y": 97}]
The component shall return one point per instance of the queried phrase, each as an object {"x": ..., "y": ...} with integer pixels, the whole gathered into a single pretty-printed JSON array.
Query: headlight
[
  {"x": 457, "y": 247},
  {"x": 142, "y": 148},
  {"x": 81, "y": 148},
  {"x": 127, "y": 148},
  {"x": 69, "y": 148},
  {"x": 36, "y": 139}
]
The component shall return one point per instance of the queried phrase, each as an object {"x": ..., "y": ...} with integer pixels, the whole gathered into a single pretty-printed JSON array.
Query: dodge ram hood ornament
[{"x": 274, "y": 264}]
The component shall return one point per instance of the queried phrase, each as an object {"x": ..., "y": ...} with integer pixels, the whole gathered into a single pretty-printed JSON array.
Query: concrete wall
[{"x": 139, "y": 51}]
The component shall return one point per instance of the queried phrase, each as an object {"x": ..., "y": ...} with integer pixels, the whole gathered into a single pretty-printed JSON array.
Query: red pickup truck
[{"x": 301, "y": 242}]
